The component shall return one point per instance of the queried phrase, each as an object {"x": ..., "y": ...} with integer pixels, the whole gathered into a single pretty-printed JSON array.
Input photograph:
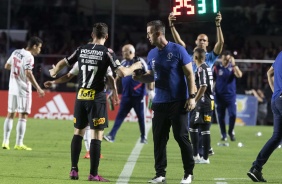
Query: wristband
[
  {"x": 171, "y": 26},
  {"x": 192, "y": 95},
  {"x": 217, "y": 25}
]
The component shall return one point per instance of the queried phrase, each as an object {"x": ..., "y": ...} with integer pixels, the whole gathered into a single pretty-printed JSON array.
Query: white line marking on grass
[
  {"x": 222, "y": 180},
  {"x": 132, "y": 159}
]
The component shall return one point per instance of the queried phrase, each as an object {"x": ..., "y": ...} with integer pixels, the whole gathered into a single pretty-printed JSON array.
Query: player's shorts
[
  {"x": 200, "y": 118},
  {"x": 88, "y": 111},
  {"x": 19, "y": 104}
]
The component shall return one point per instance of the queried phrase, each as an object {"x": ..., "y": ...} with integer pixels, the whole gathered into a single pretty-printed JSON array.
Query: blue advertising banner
[{"x": 247, "y": 107}]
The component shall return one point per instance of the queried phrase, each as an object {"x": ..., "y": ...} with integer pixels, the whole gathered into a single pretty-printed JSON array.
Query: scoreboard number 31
[{"x": 194, "y": 10}]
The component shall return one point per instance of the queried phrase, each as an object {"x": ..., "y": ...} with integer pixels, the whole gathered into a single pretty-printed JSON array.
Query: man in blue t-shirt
[
  {"x": 170, "y": 67},
  {"x": 201, "y": 42},
  {"x": 225, "y": 75},
  {"x": 276, "y": 106},
  {"x": 133, "y": 96}
]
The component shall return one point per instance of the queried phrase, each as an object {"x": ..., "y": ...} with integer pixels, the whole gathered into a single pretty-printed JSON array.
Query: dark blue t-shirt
[
  {"x": 225, "y": 81},
  {"x": 131, "y": 87},
  {"x": 170, "y": 81},
  {"x": 277, "y": 65}
]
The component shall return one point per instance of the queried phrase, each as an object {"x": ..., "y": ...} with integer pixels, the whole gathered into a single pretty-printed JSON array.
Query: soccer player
[
  {"x": 90, "y": 106},
  {"x": 202, "y": 114},
  {"x": 20, "y": 91},
  {"x": 133, "y": 96},
  {"x": 225, "y": 75},
  {"x": 112, "y": 85},
  {"x": 275, "y": 80},
  {"x": 170, "y": 67}
]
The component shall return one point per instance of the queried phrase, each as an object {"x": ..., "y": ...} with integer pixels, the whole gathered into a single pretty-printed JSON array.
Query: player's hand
[
  {"x": 218, "y": 19},
  {"x": 232, "y": 60},
  {"x": 52, "y": 72},
  {"x": 48, "y": 84},
  {"x": 40, "y": 92},
  {"x": 137, "y": 65},
  {"x": 151, "y": 94},
  {"x": 190, "y": 104},
  {"x": 171, "y": 18},
  {"x": 116, "y": 98}
]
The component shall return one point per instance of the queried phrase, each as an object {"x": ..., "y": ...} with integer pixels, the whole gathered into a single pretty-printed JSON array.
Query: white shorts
[{"x": 19, "y": 104}]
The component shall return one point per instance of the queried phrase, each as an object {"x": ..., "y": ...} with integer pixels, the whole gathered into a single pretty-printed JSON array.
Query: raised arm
[
  {"x": 220, "y": 40},
  {"x": 175, "y": 34}
]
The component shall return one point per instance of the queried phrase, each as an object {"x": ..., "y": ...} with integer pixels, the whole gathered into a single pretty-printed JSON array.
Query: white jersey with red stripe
[{"x": 20, "y": 60}]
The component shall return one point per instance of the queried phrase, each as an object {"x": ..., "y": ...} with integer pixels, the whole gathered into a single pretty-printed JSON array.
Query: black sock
[
  {"x": 206, "y": 144},
  {"x": 194, "y": 139},
  {"x": 76, "y": 145},
  {"x": 95, "y": 151}
]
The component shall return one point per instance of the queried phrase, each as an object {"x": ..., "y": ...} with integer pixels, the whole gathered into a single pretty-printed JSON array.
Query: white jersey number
[
  {"x": 85, "y": 69},
  {"x": 17, "y": 68}
]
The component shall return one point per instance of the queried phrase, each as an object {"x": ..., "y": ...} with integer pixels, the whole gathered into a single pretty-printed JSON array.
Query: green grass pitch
[{"x": 49, "y": 161}]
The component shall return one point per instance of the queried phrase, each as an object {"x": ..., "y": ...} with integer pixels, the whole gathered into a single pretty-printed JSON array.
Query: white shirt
[{"x": 20, "y": 60}]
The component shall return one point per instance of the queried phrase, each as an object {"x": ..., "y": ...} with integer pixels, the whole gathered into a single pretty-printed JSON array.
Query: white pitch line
[
  {"x": 132, "y": 159},
  {"x": 223, "y": 180}
]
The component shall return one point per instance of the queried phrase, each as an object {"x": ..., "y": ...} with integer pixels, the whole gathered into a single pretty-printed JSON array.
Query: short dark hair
[
  {"x": 100, "y": 30},
  {"x": 226, "y": 52},
  {"x": 157, "y": 25},
  {"x": 34, "y": 41},
  {"x": 202, "y": 53}
]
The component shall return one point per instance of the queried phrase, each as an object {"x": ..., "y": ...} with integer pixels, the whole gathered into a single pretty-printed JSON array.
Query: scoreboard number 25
[{"x": 195, "y": 10}]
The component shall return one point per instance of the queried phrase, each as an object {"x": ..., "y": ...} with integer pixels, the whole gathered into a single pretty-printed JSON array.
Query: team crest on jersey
[
  {"x": 99, "y": 121},
  {"x": 110, "y": 50},
  {"x": 220, "y": 72},
  {"x": 169, "y": 55}
]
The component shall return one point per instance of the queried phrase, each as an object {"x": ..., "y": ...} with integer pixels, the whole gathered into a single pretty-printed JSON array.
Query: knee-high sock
[
  {"x": 21, "y": 127},
  {"x": 206, "y": 138},
  {"x": 76, "y": 145},
  {"x": 95, "y": 151},
  {"x": 194, "y": 139},
  {"x": 87, "y": 138},
  {"x": 7, "y": 128}
]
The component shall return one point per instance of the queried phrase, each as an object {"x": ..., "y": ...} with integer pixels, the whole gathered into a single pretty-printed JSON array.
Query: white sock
[
  {"x": 8, "y": 125},
  {"x": 21, "y": 127},
  {"x": 87, "y": 138}
]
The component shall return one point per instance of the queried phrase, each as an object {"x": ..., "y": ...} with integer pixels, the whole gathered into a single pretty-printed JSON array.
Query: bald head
[
  {"x": 202, "y": 41},
  {"x": 128, "y": 51}
]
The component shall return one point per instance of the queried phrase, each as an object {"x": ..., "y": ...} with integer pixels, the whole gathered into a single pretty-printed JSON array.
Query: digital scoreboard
[{"x": 194, "y": 10}]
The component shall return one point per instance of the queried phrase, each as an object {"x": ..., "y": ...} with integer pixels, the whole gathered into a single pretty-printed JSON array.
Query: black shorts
[
  {"x": 88, "y": 111},
  {"x": 198, "y": 118}
]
